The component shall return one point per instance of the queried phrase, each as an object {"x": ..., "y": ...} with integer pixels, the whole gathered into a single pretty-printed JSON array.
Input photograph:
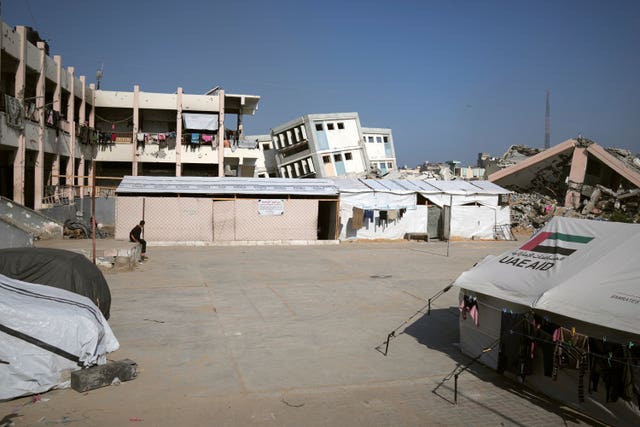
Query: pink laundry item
[{"x": 469, "y": 305}]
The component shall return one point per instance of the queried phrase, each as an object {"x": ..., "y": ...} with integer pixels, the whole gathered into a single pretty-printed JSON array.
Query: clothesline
[
  {"x": 115, "y": 121},
  {"x": 504, "y": 309},
  {"x": 567, "y": 346}
]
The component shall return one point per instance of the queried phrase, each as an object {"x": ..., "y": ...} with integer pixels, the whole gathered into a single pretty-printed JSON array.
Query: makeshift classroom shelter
[
  {"x": 198, "y": 210},
  {"x": 560, "y": 313},
  {"x": 390, "y": 209}
]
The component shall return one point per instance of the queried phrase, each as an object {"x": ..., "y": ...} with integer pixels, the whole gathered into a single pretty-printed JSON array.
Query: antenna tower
[{"x": 547, "y": 127}]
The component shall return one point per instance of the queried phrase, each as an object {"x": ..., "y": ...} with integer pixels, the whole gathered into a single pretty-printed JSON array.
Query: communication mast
[{"x": 547, "y": 127}]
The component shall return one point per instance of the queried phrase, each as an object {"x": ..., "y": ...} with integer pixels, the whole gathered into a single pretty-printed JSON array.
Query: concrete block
[{"x": 103, "y": 375}]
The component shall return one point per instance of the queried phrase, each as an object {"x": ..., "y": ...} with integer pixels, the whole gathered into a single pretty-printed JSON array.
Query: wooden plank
[{"x": 103, "y": 375}]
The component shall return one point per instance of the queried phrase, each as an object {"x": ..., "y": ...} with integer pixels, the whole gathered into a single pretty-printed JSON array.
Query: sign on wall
[{"x": 270, "y": 207}]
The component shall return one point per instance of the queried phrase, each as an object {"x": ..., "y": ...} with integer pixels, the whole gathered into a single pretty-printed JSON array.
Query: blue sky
[{"x": 450, "y": 78}]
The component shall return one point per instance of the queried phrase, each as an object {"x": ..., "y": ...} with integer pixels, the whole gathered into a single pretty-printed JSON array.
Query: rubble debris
[
  {"x": 626, "y": 156},
  {"x": 77, "y": 229},
  {"x": 530, "y": 211},
  {"x": 437, "y": 171},
  {"x": 515, "y": 154}
]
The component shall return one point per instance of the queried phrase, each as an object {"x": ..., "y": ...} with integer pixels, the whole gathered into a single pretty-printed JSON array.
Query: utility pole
[{"x": 547, "y": 126}]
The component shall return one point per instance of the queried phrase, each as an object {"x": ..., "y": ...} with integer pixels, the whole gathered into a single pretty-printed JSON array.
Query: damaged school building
[
  {"x": 62, "y": 139},
  {"x": 577, "y": 178},
  {"x": 59, "y": 133}
]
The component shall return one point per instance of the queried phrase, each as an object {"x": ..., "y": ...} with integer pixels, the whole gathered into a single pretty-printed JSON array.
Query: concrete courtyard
[{"x": 292, "y": 335}]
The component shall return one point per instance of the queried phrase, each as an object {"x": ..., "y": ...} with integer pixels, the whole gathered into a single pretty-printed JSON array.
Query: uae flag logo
[{"x": 555, "y": 243}]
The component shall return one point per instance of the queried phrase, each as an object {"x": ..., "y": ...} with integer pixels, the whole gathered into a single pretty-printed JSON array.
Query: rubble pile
[
  {"x": 78, "y": 229},
  {"x": 632, "y": 161},
  {"x": 515, "y": 154},
  {"x": 530, "y": 211}
]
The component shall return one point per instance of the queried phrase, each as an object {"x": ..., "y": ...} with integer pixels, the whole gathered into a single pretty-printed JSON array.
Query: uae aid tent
[
  {"x": 580, "y": 275},
  {"x": 581, "y": 269}
]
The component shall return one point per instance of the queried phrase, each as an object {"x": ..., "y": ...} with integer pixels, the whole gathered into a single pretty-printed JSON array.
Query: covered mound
[{"x": 58, "y": 268}]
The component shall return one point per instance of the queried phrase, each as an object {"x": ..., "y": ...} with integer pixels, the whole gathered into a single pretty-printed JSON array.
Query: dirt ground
[{"x": 294, "y": 335}]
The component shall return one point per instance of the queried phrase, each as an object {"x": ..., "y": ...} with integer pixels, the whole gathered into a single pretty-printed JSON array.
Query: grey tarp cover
[{"x": 58, "y": 268}]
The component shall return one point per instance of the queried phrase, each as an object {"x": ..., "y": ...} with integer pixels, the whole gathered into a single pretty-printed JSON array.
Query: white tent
[
  {"x": 579, "y": 274},
  {"x": 379, "y": 197},
  {"x": 476, "y": 208}
]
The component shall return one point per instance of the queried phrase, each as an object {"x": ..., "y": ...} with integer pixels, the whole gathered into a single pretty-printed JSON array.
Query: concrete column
[
  {"x": 179, "y": 133},
  {"x": 136, "y": 118},
  {"x": 57, "y": 102},
  {"x": 221, "y": 134},
  {"x": 40, "y": 104},
  {"x": 71, "y": 118},
  {"x": 576, "y": 177},
  {"x": 82, "y": 119},
  {"x": 20, "y": 155}
]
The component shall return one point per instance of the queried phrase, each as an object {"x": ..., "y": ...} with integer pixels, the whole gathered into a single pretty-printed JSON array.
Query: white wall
[
  {"x": 342, "y": 138},
  {"x": 477, "y": 222}
]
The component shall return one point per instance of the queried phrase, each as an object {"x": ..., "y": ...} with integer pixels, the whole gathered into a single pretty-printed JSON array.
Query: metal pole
[
  {"x": 455, "y": 389},
  {"x": 386, "y": 349},
  {"x": 93, "y": 206},
  {"x": 450, "y": 216}
]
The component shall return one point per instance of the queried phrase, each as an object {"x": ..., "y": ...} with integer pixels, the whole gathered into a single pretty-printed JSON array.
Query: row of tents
[{"x": 208, "y": 209}]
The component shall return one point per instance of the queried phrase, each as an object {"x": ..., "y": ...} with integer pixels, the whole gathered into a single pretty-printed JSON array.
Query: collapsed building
[{"x": 576, "y": 178}]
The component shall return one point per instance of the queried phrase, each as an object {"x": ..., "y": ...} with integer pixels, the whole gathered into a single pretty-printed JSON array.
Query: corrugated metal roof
[
  {"x": 318, "y": 187},
  {"x": 456, "y": 187},
  {"x": 490, "y": 187},
  {"x": 350, "y": 185},
  {"x": 225, "y": 185},
  {"x": 387, "y": 186},
  {"x": 421, "y": 186}
]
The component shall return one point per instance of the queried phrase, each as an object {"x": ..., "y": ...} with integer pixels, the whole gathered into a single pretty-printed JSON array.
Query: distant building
[
  {"x": 379, "y": 147},
  {"x": 265, "y": 159},
  {"x": 329, "y": 145},
  {"x": 469, "y": 173}
]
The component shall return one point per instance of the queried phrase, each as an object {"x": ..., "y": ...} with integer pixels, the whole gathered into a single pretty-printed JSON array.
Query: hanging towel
[
  {"x": 207, "y": 138},
  {"x": 140, "y": 137},
  {"x": 162, "y": 137},
  {"x": 358, "y": 216},
  {"x": 195, "y": 138},
  {"x": 392, "y": 215}
]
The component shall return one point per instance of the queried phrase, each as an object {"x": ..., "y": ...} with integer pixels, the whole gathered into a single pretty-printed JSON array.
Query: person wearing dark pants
[{"x": 135, "y": 235}]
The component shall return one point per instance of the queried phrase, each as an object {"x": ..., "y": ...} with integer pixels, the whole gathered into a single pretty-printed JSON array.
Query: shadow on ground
[{"x": 439, "y": 331}]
